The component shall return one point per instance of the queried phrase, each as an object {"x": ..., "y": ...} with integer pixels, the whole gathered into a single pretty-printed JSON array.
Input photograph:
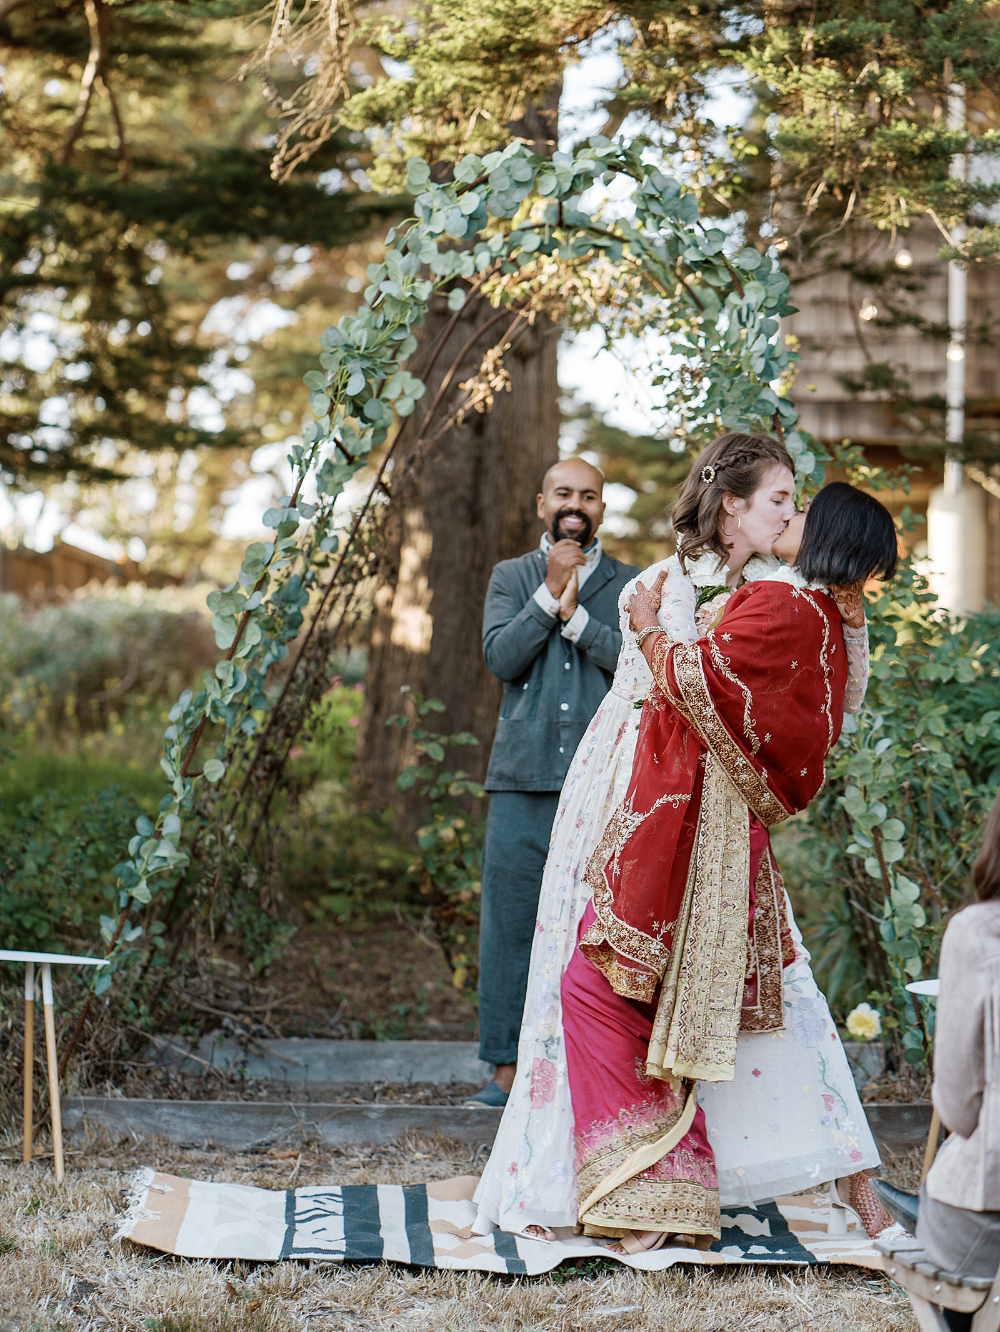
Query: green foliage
[
  {"x": 848, "y": 100},
  {"x": 857, "y": 92},
  {"x": 463, "y": 57},
  {"x": 110, "y": 243},
  {"x": 450, "y": 859},
  {"x": 76, "y": 667},
  {"x": 846, "y": 144},
  {"x": 893, "y": 834},
  {"x": 500, "y": 216},
  {"x": 55, "y": 854},
  {"x": 345, "y": 860},
  {"x": 31, "y": 767}
]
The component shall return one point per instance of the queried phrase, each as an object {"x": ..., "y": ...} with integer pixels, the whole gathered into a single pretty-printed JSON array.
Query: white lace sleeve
[
  {"x": 856, "y": 644},
  {"x": 677, "y": 604}
]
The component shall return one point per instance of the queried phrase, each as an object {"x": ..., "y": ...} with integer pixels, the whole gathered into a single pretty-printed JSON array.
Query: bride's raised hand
[
  {"x": 851, "y": 603},
  {"x": 644, "y": 603}
]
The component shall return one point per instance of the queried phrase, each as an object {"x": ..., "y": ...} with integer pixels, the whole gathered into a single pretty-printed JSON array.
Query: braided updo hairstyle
[{"x": 733, "y": 464}]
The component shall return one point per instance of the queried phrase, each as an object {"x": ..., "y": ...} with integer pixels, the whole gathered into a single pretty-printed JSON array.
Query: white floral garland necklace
[{"x": 707, "y": 569}]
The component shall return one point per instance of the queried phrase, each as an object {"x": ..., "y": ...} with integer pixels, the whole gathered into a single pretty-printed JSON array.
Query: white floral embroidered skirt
[{"x": 791, "y": 1118}]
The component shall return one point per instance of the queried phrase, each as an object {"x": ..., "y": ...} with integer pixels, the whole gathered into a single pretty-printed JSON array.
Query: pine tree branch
[
  {"x": 96, "y": 71},
  {"x": 90, "y": 75},
  {"x": 124, "y": 155}
]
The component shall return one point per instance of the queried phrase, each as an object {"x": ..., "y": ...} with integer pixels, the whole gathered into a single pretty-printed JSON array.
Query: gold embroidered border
[
  {"x": 697, "y": 1019},
  {"x": 632, "y": 1155},
  {"x": 626, "y": 981},
  {"x": 768, "y": 1014},
  {"x": 824, "y": 663},
  {"x": 679, "y": 1207},
  {"x": 741, "y": 772},
  {"x": 657, "y": 664},
  {"x": 620, "y": 938},
  {"x": 723, "y": 664},
  {"x": 787, "y": 942}
]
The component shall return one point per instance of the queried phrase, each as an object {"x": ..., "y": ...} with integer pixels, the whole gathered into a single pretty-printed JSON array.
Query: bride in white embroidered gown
[{"x": 791, "y": 1118}]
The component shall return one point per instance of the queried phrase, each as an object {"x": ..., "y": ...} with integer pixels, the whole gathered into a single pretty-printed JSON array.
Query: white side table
[{"x": 46, "y": 962}]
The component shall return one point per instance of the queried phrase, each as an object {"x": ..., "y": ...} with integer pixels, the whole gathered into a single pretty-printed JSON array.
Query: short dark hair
[
  {"x": 735, "y": 465},
  {"x": 848, "y": 537},
  {"x": 986, "y": 870}
]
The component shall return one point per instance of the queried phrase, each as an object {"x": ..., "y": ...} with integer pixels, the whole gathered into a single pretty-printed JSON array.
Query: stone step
[{"x": 311, "y": 1070}]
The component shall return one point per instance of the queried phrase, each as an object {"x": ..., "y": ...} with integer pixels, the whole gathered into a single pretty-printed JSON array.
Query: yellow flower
[{"x": 864, "y": 1023}]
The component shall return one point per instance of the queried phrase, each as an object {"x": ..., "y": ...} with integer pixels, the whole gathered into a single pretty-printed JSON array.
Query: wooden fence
[{"x": 40, "y": 576}]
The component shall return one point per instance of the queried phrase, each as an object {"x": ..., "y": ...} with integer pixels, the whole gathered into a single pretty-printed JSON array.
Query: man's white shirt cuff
[
  {"x": 545, "y": 599},
  {"x": 576, "y": 624}
]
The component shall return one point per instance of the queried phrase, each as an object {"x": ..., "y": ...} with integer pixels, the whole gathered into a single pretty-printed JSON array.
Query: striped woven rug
[{"x": 430, "y": 1225}]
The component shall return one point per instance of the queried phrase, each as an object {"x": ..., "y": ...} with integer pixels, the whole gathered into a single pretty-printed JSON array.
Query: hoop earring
[{"x": 739, "y": 523}]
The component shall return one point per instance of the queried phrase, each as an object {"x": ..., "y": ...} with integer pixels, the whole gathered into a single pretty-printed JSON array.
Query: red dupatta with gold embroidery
[{"x": 740, "y": 723}]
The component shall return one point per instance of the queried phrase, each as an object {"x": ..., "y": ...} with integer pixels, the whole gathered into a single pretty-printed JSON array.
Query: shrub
[
  {"x": 885, "y": 849},
  {"x": 75, "y": 667},
  {"x": 56, "y": 854}
]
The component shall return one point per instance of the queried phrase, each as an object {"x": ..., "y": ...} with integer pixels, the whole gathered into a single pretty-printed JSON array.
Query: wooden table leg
[
  {"x": 50, "y": 1050},
  {"x": 29, "y": 1056}
]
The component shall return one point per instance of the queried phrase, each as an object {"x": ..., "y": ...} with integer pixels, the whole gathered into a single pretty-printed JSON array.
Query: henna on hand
[
  {"x": 644, "y": 603},
  {"x": 851, "y": 603}
]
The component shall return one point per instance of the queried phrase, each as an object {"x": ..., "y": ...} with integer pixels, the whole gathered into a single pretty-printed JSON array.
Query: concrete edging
[
  {"x": 245, "y": 1124},
  {"x": 308, "y": 1069}
]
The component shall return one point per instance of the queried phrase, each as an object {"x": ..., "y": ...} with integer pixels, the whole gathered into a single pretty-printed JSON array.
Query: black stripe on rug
[
  {"x": 362, "y": 1237},
  {"x": 505, "y": 1246},
  {"x": 288, "y": 1241},
  {"x": 767, "y": 1236},
  {"x": 418, "y": 1233}
]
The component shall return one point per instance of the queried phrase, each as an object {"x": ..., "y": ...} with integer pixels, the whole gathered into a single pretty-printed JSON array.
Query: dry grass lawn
[{"x": 61, "y": 1269}]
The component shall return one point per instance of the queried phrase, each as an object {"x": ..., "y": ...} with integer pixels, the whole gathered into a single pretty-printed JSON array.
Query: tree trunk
[{"x": 469, "y": 502}]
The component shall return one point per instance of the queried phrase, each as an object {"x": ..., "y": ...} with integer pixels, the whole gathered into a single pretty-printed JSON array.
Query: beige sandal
[{"x": 632, "y": 1244}]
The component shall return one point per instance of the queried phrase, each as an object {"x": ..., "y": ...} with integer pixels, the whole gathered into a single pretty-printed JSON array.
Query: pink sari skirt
[{"x": 644, "y": 1161}]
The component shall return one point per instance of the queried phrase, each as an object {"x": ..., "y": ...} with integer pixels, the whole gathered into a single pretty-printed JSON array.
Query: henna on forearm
[{"x": 851, "y": 604}]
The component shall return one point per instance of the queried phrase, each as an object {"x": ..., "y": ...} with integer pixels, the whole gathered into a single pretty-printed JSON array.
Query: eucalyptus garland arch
[{"x": 514, "y": 229}]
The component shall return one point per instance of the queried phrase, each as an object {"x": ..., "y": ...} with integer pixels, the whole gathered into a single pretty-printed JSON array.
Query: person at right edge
[{"x": 959, "y": 1216}]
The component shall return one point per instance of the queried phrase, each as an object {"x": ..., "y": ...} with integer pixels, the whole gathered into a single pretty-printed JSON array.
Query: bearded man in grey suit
[{"x": 551, "y": 634}]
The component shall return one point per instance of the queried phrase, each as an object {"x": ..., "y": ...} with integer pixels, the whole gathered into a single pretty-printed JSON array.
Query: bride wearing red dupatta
[{"x": 684, "y": 943}]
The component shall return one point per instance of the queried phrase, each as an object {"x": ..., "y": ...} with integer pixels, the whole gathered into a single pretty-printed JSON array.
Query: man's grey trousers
[{"x": 517, "y": 842}]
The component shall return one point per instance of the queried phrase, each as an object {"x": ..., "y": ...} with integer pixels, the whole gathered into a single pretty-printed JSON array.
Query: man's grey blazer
[{"x": 552, "y": 687}]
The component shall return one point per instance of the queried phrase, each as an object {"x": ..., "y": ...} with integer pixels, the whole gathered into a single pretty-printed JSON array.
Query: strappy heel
[{"x": 864, "y": 1207}]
